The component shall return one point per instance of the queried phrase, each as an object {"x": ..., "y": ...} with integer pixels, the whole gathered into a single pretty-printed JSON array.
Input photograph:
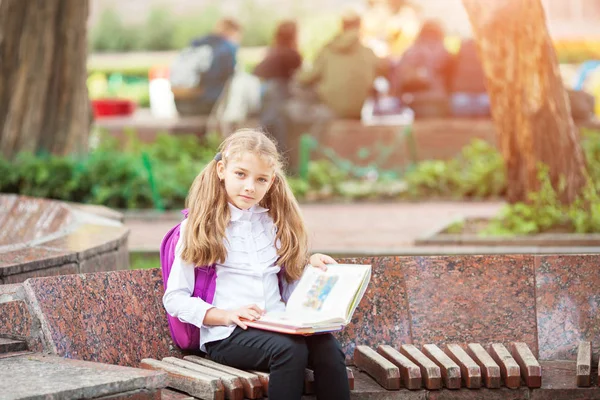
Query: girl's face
[{"x": 247, "y": 179}]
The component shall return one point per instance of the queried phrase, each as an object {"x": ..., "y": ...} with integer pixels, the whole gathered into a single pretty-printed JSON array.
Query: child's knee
[{"x": 293, "y": 351}]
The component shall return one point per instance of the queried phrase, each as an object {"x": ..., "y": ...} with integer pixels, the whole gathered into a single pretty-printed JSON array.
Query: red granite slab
[
  {"x": 568, "y": 304},
  {"x": 114, "y": 317},
  {"x": 33, "y": 258},
  {"x": 28, "y": 218},
  {"x": 15, "y": 318},
  {"x": 382, "y": 315},
  {"x": 465, "y": 299}
]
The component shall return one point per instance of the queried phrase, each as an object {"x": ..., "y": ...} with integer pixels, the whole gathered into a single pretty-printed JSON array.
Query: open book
[{"x": 323, "y": 301}]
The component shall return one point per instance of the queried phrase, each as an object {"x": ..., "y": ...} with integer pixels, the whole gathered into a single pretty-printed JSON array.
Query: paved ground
[{"x": 363, "y": 228}]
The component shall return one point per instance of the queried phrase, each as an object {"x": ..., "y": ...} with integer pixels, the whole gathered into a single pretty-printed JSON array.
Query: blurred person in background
[
  {"x": 422, "y": 77},
  {"x": 469, "y": 96},
  {"x": 276, "y": 70},
  {"x": 200, "y": 72}
]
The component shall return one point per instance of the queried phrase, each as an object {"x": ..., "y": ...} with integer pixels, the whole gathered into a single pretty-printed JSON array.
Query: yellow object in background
[{"x": 97, "y": 85}]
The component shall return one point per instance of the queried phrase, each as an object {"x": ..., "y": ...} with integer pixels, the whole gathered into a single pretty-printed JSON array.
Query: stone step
[
  {"x": 38, "y": 376},
  {"x": 8, "y": 345}
]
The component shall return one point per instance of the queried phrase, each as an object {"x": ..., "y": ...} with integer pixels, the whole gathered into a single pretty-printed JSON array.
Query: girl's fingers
[
  {"x": 239, "y": 323},
  {"x": 327, "y": 259},
  {"x": 255, "y": 308}
]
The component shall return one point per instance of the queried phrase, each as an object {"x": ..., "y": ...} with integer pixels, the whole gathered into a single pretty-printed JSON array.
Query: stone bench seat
[{"x": 118, "y": 318}]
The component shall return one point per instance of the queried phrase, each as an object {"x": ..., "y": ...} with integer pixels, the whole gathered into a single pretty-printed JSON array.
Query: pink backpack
[{"x": 186, "y": 336}]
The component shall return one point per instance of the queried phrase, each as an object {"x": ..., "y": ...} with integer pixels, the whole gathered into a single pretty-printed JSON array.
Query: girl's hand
[
  {"x": 320, "y": 261},
  {"x": 250, "y": 313}
]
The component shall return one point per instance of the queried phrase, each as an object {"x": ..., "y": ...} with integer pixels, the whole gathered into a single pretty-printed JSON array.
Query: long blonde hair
[{"x": 209, "y": 214}]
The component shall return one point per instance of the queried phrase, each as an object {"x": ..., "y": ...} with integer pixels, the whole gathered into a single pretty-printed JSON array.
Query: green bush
[
  {"x": 158, "y": 31},
  {"x": 195, "y": 25},
  {"x": 162, "y": 30},
  {"x": 478, "y": 172},
  {"x": 110, "y": 34}
]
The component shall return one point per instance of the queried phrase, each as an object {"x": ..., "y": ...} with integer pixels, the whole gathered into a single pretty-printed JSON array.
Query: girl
[{"x": 244, "y": 219}]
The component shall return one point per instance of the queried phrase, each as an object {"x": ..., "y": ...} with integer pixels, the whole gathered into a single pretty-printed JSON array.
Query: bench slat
[
  {"x": 469, "y": 370},
  {"x": 410, "y": 373},
  {"x": 584, "y": 364},
  {"x": 188, "y": 381},
  {"x": 530, "y": 367},
  {"x": 374, "y": 364},
  {"x": 509, "y": 369},
  {"x": 449, "y": 369},
  {"x": 490, "y": 371},
  {"x": 430, "y": 372},
  {"x": 252, "y": 386},
  {"x": 231, "y": 383}
]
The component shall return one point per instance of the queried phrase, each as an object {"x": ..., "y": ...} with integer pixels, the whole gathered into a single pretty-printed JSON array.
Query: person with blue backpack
[
  {"x": 200, "y": 72},
  {"x": 237, "y": 255}
]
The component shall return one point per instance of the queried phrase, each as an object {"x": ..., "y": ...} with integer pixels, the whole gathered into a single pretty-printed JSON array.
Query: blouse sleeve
[
  {"x": 287, "y": 289},
  {"x": 178, "y": 300}
]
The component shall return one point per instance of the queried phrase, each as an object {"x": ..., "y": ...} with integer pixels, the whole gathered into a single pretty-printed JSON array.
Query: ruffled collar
[{"x": 245, "y": 215}]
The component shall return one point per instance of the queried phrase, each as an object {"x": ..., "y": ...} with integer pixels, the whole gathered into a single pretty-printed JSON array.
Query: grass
[{"x": 144, "y": 260}]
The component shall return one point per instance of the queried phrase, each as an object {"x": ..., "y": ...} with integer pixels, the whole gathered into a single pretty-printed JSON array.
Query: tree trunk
[
  {"x": 528, "y": 99},
  {"x": 44, "y": 104}
]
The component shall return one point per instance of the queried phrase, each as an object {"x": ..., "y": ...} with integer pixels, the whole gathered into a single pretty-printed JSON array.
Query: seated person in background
[
  {"x": 469, "y": 96},
  {"x": 200, "y": 73},
  {"x": 277, "y": 68},
  {"x": 421, "y": 78},
  {"x": 344, "y": 71},
  {"x": 336, "y": 86}
]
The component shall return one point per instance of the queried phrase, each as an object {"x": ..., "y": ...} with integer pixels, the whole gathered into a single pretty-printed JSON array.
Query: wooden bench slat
[
  {"x": 374, "y": 364},
  {"x": 509, "y": 369},
  {"x": 490, "y": 371},
  {"x": 188, "y": 381},
  {"x": 253, "y": 388},
  {"x": 584, "y": 364},
  {"x": 231, "y": 383},
  {"x": 350, "y": 378},
  {"x": 410, "y": 373},
  {"x": 430, "y": 372},
  {"x": 264, "y": 380},
  {"x": 469, "y": 370},
  {"x": 450, "y": 370},
  {"x": 531, "y": 369}
]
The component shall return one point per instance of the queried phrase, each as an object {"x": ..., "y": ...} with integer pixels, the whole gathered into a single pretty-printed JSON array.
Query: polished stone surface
[
  {"x": 42, "y": 237},
  {"x": 113, "y": 317},
  {"x": 49, "y": 377},
  {"x": 464, "y": 299},
  {"x": 382, "y": 315},
  {"x": 568, "y": 304}
]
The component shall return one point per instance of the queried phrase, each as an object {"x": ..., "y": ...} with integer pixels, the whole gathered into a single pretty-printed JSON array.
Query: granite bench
[{"x": 117, "y": 317}]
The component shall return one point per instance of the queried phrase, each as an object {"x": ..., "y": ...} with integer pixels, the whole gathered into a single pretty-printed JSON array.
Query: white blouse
[{"x": 248, "y": 275}]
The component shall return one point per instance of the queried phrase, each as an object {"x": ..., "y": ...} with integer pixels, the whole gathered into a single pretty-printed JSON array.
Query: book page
[{"x": 327, "y": 294}]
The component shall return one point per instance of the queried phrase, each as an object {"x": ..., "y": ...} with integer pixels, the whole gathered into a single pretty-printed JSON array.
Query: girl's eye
[
  {"x": 262, "y": 180},
  {"x": 240, "y": 174}
]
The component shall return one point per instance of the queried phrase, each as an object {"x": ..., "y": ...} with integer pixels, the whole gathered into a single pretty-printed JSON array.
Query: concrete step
[{"x": 37, "y": 376}]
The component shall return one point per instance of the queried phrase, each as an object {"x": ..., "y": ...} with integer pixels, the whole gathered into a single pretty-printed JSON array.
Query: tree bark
[
  {"x": 44, "y": 105},
  {"x": 529, "y": 103}
]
